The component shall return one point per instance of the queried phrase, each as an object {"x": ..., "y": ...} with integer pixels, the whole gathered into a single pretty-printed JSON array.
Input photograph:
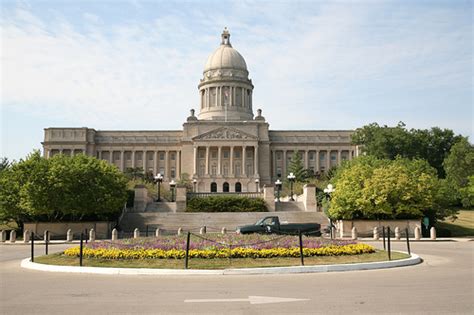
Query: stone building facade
[{"x": 225, "y": 147}]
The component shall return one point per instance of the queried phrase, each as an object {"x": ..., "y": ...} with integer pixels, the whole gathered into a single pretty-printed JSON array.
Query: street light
[
  {"x": 172, "y": 186},
  {"x": 158, "y": 180},
  {"x": 194, "y": 184},
  {"x": 328, "y": 191},
  {"x": 278, "y": 186},
  {"x": 257, "y": 186},
  {"x": 291, "y": 178}
]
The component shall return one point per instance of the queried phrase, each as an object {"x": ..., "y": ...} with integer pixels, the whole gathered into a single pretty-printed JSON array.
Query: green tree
[
  {"x": 459, "y": 167},
  {"x": 386, "y": 142},
  {"x": 296, "y": 167},
  {"x": 371, "y": 188},
  {"x": 4, "y": 164}
]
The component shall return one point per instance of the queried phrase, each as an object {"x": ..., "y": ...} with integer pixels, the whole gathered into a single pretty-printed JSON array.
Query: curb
[{"x": 413, "y": 260}]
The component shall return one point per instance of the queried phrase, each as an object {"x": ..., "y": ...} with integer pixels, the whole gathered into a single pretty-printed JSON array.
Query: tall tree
[
  {"x": 386, "y": 142},
  {"x": 296, "y": 167}
]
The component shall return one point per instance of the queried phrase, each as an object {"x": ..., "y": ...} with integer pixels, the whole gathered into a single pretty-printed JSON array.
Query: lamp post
[
  {"x": 257, "y": 186},
  {"x": 158, "y": 180},
  {"x": 291, "y": 178},
  {"x": 278, "y": 186},
  {"x": 172, "y": 186},
  {"x": 194, "y": 184},
  {"x": 328, "y": 191}
]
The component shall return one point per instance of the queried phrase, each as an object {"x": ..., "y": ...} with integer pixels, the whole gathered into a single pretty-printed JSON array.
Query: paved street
[{"x": 442, "y": 284}]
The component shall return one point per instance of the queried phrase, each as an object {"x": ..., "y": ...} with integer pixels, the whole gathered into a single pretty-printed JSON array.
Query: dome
[{"x": 225, "y": 57}]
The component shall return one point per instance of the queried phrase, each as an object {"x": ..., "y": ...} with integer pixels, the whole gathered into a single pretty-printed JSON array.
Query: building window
[
  {"x": 249, "y": 154},
  {"x": 173, "y": 172},
  {"x": 249, "y": 169},
  {"x": 226, "y": 154},
  {"x": 278, "y": 173},
  {"x": 214, "y": 169},
  {"x": 322, "y": 156},
  {"x": 333, "y": 157},
  {"x": 214, "y": 154},
  {"x": 278, "y": 154},
  {"x": 201, "y": 170},
  {"x": 173, "y": 157},
  {"x": 311, "y": 156},
  {"x": 225, "y": 169},
  {"x": 128, "y": 156},
  {"x": 162, "y": 156},
  {"x": 213, "y": 187},
  {"x": 237, "y": 154},
  {"x": 237, "y": 170},
  {"x": 225, "y": 187},
  {"x": 162, "y": 171},
  {"x": 150, "y": 156},
  {"x": 238, "y": 187},
  {"x": 201, "y": 155}
]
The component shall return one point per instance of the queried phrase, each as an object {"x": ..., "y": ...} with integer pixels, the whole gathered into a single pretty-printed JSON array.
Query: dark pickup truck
[{"x": 273, "y": 225}]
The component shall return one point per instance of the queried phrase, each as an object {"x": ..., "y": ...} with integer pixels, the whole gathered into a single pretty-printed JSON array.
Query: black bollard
[
  {"x": 86, "y": 236},
  {"x": 146, "y": 231},
  {"x": 301, "y": 248},
  {"x": 46, "y": 242},
  {"x": 80, "y": 249},
  {"x": 383, "y": 237},
  {"x": 186, "y": 258},
  {"x": 408, "y": 242},
  {"x": 388, "y": 243},
  {"x": 32, "y": 246}
]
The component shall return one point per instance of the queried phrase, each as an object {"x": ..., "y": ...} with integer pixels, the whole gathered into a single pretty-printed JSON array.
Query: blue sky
[{"x": 315, "y": 64}]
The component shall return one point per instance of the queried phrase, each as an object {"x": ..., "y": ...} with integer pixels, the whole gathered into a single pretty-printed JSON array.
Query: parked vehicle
[{"x": 273, "y": 225}]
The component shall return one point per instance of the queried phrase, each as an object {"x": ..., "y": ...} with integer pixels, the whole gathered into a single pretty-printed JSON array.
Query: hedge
[{"x": 226, "y": 204}]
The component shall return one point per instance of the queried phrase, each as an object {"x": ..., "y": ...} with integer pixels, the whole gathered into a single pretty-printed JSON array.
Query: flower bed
[{"x": 219, "y": 246}]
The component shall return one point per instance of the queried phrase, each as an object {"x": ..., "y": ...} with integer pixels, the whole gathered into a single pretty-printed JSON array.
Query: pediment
[{"x": 225, "y": 133}]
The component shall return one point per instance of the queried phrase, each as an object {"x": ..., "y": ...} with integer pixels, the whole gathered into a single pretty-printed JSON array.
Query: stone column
[
  {"x": 231, "y": 164},
  {"x": 195, "y": 160},
  {"x": 243, "y": 97},
  {"x": 133, "y": 158},
  {"x": 255, "y": 159},
  {"x": 273, "y": 164},
  {"x": 100, "y": 154},
  {"x": 317, "y": 161},
  {"x": 219, "y": 160},
  {"x": 122, "y": 161},
  {"x": 155, "y": 162},
  {"x": 144, "y": 160},
  {"x": 339, "y": 157},
  {"x": 306, "y": 162},
  {"x": 244, "y": 157},
  {"x": 178, "y": 164},
  {"x": 351, "y": 152},
  {"x": 217, "y": 96},
  {"x": 328, "y": 160},
  {"x": 111, "y": 157},
  {"x": 207, "y": 161},
  {"x": 284, "y": 164},
  {"x": 167, "y": 169}
]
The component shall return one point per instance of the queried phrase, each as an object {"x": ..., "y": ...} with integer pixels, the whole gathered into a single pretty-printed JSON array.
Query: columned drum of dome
[{"x": 225, "y": 89}]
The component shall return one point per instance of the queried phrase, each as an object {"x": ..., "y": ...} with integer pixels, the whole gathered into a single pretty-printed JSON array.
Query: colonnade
[
  {"x": 281, "y": 162},
  {"x": 237, "y": 156},
  {"x": 243, "y": 100}
]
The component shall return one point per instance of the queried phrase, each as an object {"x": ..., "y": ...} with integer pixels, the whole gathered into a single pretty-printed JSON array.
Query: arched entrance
[
  {"x": 213, "y": 187},
  {"x": 225, "y": 187},
  {"x": 238, "y": 187}
]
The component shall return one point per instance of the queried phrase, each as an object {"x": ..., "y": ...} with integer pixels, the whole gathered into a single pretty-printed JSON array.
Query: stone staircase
[
  {"x": 161, "y": 207},
  {"x": 214, "y": 222},
  {"x": 288, "y": 206}
]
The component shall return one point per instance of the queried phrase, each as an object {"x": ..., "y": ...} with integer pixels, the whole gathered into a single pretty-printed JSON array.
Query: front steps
[{"x": 214, "y": 221}]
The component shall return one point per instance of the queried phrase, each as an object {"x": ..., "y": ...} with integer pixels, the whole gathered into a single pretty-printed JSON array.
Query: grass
[
  {"x": 462, "y": 226},
  {"x": 59, "y": 259}
]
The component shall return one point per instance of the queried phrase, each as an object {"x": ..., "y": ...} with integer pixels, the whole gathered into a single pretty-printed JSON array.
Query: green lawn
[
  {"x": 462, "y": 226},
  {"x": 59, "y": 259}
]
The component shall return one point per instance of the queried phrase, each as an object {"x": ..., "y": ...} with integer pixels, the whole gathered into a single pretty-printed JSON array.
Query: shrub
[{"x": 226, "y": 204}]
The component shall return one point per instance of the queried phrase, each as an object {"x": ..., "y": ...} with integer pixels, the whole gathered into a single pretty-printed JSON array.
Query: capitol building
[{"x": 226, "y": 147}]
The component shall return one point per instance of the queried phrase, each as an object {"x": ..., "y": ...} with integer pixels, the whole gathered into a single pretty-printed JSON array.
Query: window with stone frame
[
  {"x": 279, "y": 155},
  {"x": 278, "y": 172},
  {"x": 225, "y": 169},
  {"x": 214, "y": 169},
  {"x": 173, "y": 172},
  {"x": 225, "y": 154},
  {"x": 162, "y": 156},
  {"x": 237, "y": 169},
  {"x": 162, "y": 171},
  {"x": 311, "y": 155},
  {"x": 237, "y": 154},
  {"x": 172, "y": 156}
]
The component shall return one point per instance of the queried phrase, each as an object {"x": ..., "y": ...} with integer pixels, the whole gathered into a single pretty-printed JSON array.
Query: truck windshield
[{"x": 266, "y": 221}]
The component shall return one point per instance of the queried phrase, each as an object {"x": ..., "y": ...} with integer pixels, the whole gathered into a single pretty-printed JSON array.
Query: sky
[{"x": 323, "y": 65}]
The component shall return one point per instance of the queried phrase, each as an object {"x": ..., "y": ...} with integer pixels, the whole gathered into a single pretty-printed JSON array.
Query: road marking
[{"x": 251, "y": 299}]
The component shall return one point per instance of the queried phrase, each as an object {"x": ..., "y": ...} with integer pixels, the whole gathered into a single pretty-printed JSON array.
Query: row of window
[
  {"x": 225, "y": 169},
  {"x": 312, "y": 155},
  {"x": 225, "y": 154},
  {"x": 226, "y": 187}
]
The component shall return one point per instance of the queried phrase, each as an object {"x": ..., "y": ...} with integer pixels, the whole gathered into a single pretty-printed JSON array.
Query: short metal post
[
  {"x": 330, "y": 228},
  {"x": 86, "y": 235},
  {"x": 186, "y": 258},
  {"x": 408, "y": 242},
  {"x": 383, "y": 237},
  {"x": 388, "y": 243},
  {"x": 80, "y": 249},
  {"x": 146, "y": 231},
  {"x": 32, "y": 246},
  {"x": 46, "y": 242},
  {"x": 301, "y": 248}
]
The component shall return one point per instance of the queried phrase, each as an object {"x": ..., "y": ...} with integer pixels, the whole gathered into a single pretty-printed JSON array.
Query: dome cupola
[{"x": 225, "y": 90}]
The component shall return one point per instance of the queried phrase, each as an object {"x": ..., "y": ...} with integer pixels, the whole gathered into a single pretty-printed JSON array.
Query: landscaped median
[{"x": 219, "y": 252}]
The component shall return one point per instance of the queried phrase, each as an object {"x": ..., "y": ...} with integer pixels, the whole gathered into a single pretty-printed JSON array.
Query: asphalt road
[{"x": 442, "y": 284}]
